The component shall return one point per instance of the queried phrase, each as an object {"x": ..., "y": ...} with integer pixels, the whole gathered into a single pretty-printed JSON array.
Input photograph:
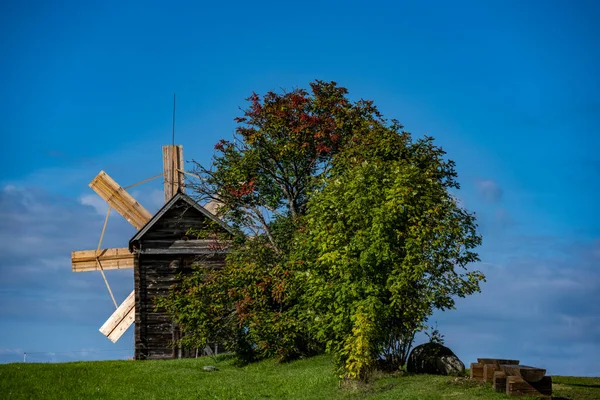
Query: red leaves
[
  {"x": 298, "y": 100},
  {"x": 244, "y": 190},
  {"x": 221, "y": 144},
  {"x": 255, "y": 100},
  {"x": 323, "y": 149}
]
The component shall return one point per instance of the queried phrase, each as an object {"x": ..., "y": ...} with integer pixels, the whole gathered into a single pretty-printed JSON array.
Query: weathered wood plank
[
  {"x": 530, "y": 374},
  {"x": 519, "y": 387},
  {"x": 120, "y": 320},
  {"x": 496, "y": 361},
  {"x": 176, "y": 251},
  {"x": 187, "y": 247},
  {"x": 85, "y": 260},
  {"x": 123, "y": 326},
  {"x": 120, "y": 200},
  {"x": 172, "y": 164},
  {"x": 499, "y": 381}
]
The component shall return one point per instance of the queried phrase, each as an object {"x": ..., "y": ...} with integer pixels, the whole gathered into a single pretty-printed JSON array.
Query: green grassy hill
[{"x": 185, "y": 379}]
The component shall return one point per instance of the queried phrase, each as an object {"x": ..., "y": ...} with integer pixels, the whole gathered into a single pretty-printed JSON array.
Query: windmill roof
[{"x": 180, "y": 196}]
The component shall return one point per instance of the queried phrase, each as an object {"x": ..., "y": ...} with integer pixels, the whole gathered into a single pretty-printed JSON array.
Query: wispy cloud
[
  {"x": 94, "y": 201},
  {"x": 4, "y": 351},
  {"x": 535, "y": 306},
  {"x": 489, "y": 190},
  {"x": 37, "y": 234}
]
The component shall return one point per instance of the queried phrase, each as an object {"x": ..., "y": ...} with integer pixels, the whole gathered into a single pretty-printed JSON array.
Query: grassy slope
[{"x": 185, "y": 379}]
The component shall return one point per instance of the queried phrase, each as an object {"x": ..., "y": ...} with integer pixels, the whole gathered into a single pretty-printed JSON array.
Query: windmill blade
[
  {"x": 120, "y": 320},
  {"x": 88, "y": 260},
  {"x": 120, "y": 200}
]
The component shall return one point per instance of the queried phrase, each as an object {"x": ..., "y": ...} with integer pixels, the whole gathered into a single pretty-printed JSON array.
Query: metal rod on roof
[{"x": 173, "y": 133}]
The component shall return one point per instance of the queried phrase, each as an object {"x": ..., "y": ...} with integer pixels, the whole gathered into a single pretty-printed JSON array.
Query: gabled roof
[{"x": 178, "y": 197}]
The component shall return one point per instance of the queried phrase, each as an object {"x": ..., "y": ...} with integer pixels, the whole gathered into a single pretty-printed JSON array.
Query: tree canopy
[{"x": 349, "y": 238}]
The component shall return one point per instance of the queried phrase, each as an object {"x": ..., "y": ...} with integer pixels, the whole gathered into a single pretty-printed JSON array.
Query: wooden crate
[
  {"x": 499, "y": 381},
  {"x": 488, "y": 372},
  {"x": 519, "y": 387},
  {"x": 476, "y": 371}
]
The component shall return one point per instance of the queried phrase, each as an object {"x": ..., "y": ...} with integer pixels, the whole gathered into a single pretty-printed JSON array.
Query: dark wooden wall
[
  {"x": 154, "y": 330},
  {"x": 164, "y": 252}
]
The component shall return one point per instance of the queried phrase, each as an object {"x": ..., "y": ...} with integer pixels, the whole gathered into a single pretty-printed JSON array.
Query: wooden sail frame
[
  {"x": 120, "y": 320},
  {"x": 120, "y": 200},
  {"x": 119, "y": 258},
  {"x": 105, "y": 259}
]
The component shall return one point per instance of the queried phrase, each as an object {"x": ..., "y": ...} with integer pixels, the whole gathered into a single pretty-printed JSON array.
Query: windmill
[
  {"x": 120, "y": 258},
  {"x": 159, "y": 253}
]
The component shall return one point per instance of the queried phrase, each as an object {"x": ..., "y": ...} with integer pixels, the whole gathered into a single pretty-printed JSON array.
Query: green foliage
[
  {"x": 283, "y": 143},
  {"x": 283, "y": 150},
  {"x": 435, "y": 336},
  {"x": 385, "y": 237},
  {"x": 353, "y": 236},
  {"x": 249, "y": 306}
]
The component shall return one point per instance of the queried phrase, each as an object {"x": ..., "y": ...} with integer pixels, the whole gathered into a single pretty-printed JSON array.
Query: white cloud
[{"x": 94, "y": 201}]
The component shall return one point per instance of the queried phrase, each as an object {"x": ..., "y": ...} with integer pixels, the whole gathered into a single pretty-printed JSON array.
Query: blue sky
[{"x": 509, "y": 89}]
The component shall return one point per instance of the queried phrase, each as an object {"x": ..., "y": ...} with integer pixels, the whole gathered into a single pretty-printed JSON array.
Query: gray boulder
[{"x": 435, "y": 359}]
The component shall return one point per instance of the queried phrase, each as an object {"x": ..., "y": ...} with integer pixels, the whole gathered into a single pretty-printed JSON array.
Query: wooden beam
[
  {"x": 519, "y": 387},
  {"x": 213, "y": 206},
  {"x": 200, "y": 246},
  {"x": 496, "y": 361},
  {"x": 172, "y": 167},
  {"x": 530, "y": 374},
  {"x": 120, "y": 200},
  {"x": 85, "y": 260},
  {"x": 120, "y": 320}
]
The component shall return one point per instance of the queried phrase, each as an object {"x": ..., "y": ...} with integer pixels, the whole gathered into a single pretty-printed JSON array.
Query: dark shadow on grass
[
  {"x": 223, "y": 357},
  {"x": 583, "y": 385}
]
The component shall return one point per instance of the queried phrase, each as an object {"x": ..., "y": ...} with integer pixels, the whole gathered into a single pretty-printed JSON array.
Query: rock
[
  {"x": 435, "y": 359},
  {"x": 210, "y": 368}
]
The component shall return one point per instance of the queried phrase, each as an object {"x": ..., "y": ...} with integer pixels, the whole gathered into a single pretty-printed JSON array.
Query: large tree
[
  {"x": 384, "y": 244},
  {"x": 349, "y": 236},
  {"x": 282, "y": 151}
]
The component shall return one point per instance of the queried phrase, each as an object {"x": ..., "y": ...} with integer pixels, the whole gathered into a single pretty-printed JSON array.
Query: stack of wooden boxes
[{"x": 511, "y": 378}]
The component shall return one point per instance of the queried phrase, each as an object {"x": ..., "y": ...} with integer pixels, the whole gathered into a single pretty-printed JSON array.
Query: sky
[{"x": 509, "y": 89}]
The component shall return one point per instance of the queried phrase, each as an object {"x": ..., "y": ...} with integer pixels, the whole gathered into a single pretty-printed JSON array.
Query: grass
[{"x": 185, "y": 379}]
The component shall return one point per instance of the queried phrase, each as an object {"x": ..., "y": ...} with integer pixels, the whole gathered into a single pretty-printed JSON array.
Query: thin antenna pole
[{"x": 173, "y": 134}]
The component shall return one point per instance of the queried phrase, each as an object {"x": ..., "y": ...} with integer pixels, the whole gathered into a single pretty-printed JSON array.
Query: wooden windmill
[{"x": 158, "y": 252}]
